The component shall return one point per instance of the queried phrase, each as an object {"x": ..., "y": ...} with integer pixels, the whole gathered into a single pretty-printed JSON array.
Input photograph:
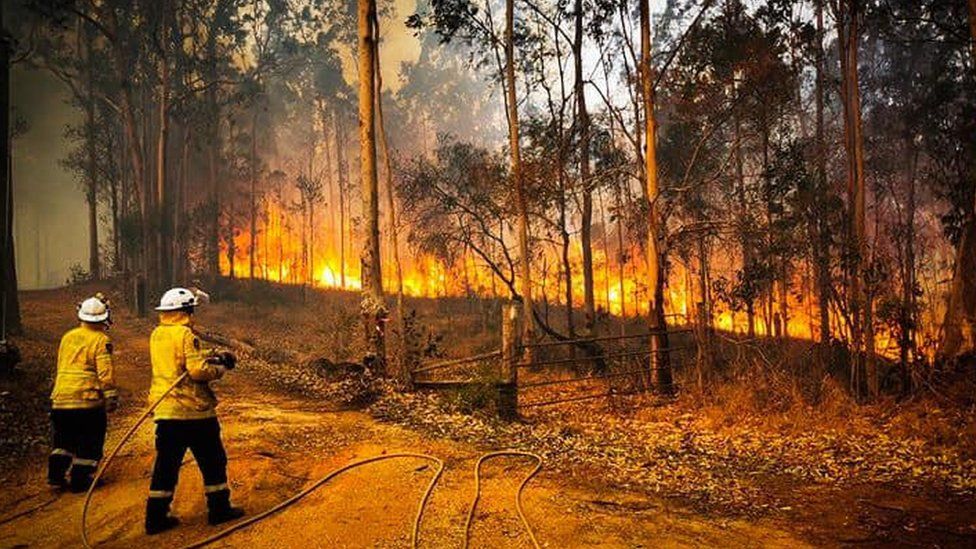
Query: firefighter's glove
[{"x": 227, "y": 360}]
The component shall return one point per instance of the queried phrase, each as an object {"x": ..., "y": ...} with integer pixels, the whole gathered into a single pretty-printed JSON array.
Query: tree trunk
[
  {"x": 621, "y": 256},
  {"x": 972, "y": 29},
  {"x": 618, "y": 182},
  {"x": 567, "y": 267},
  {"x": 179, "y": 248},
  {"x": 848, "y": 22},
  {"x": 821, "y": 240},
  {"x": 340, "y": 139},
  {"x": 959, "y": 324},
  {"x": 586, "y": 221},
  {"x": 10, "y": 310},
  {"x": 117, "y": 260},
  {"x": 745, "y": 223},
  {"x": 252, "y": 246},
  {"x": 660, "y": 361},
  {"x": 908, "y": 317},
  {"x": 311, "y": 242},
  {"x": 213, "y": 160},
  {"x": 860, "y": 210},
  {"x": 136, "y": 160},
  {"x": 304, "y": 261},
  {"x": 164, "y": 246},
  {"x": 327, "y": 157},
  {"x": 400, "y": 367},
  {"x": 521, "y": 202},
  {"x": 91, "y": 194},
  {"x": 606, "y": 251},
  {"x": 372, "y": 307}
]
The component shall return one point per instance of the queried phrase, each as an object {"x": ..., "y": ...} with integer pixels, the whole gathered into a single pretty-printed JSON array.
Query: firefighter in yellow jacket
[
  {"x": 186, "y": 418},
  {"x": 84, "y": 391}
]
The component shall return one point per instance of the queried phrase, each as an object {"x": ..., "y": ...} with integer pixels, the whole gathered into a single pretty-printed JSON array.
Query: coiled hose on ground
[
  {"x": 518, "y": 494},
  {"x": 415, "y": 536}
]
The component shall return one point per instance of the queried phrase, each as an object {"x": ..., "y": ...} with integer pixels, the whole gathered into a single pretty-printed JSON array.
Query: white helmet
[
  {"x": 94, "y": 309},
  {"x": 180, "y": 298}
]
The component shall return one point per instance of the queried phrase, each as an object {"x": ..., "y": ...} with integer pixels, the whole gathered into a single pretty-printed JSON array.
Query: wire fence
[
  {"x": 615, "y": 365},
  {"x": 582, "y": 397},
  {"x": 442, "y": 365},
  {"x": 585, "y": 340},
  {"x": 600, "y": 357}
]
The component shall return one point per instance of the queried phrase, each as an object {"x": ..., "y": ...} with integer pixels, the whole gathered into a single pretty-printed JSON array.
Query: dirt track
[{"x": 278, "y": 443}]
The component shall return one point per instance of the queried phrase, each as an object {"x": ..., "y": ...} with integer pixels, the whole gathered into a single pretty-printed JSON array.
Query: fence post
[
  {"x": 139, "y": 293},
  {"x": 511, "y": 356}
]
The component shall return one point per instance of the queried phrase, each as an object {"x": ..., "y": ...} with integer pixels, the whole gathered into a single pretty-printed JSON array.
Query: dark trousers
[
  {"x": 200, "y": 436},
  {"x": 78, "y": 438}
]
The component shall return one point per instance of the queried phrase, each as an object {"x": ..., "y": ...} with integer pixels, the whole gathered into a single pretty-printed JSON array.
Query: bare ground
[{"x": 279, "y": 440}]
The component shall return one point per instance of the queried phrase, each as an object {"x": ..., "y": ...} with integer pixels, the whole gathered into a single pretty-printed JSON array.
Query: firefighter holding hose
[
  {"x": 84, "y": 391},
  {"x": 186, "y": 418}
]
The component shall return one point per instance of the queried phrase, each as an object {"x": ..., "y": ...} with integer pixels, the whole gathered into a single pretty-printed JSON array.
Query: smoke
[{"x": 50, "y": 220}]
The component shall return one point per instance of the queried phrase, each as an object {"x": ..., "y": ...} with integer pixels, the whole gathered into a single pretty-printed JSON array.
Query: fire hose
[
  {"x": 518, "y": 493},
  {"x": 115, "y": 451},
  {"x": 415, "y": 536}
]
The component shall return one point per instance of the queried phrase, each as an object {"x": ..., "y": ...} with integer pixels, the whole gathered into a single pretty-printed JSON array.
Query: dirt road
[{"x": 278, "y": 443}]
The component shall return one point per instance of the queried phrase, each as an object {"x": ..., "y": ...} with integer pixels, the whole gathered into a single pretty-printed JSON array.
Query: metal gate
[{"x": 560, "y": 371}]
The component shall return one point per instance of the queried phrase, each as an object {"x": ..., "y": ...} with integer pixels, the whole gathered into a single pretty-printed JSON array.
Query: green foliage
[{"x": 481, "y": 395}]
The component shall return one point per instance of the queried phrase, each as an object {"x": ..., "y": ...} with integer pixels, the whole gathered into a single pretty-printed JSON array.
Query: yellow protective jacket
[
  {"x": 85, "y": 377},
  {"x": 175, "y": 349}
]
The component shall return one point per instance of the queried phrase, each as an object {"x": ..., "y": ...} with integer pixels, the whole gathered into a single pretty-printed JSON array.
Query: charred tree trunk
[
  {"x": 586, "y": 221},
  {"x": 660, "y": 361},
  {"x": 821, "y": 240},
  {"x": 10, "y": 310},
  {"x": 372, "y": 307}
]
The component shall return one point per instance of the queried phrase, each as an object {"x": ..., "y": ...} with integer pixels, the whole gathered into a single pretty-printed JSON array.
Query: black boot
[
  {"x": 220, "y": 509},
  {"x": 81, "y": 477},
  {"x": 158, "y": 518},
  {"x": 57, "y": 468}
]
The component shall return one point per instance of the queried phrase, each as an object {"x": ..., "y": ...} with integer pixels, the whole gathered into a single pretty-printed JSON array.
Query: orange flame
[{"x": 620, "y": 289}]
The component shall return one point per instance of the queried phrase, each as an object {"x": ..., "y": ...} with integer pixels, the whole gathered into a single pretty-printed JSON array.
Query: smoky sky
[{"x": 50, "y": 216}]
